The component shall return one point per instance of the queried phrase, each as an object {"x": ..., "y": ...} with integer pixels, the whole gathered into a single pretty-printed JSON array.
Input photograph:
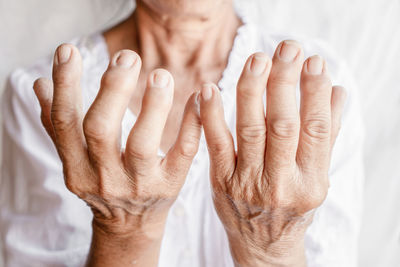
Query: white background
[{"x": 365, "y": 32}]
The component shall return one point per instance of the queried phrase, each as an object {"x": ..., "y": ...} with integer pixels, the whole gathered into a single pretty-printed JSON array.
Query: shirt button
[{"x": 179, "y": 211}]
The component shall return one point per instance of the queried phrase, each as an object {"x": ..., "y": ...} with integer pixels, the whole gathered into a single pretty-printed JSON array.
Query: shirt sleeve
[
  {"x": 332, "y": 239},
  {"x": 41, "y": 222}
]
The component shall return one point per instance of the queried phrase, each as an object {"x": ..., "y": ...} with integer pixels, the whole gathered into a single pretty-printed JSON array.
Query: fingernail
[
  {"x": 124, "y": 59},
  {"x": 160, "y": 78},
  {"x": 207, "y": 91},
  {"x": 63, "y": 54},
  {"x": 315, "y": 65},
  {"x": 289, "y": 51},
  {"x": 258, "y": 64}
]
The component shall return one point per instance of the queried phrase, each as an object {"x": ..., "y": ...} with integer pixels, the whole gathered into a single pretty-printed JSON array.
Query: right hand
[{"x": 129, "y": 191}]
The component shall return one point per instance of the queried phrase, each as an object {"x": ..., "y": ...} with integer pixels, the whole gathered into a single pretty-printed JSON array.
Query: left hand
[{"x": 266, "y": 192}]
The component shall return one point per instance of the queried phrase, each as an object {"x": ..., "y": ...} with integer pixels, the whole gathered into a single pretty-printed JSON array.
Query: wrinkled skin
[
  {"x": 130, "y": 192},
  {"x": 264, "y": 193}
]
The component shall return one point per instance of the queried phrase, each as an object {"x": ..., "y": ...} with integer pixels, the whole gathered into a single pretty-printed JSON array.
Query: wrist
[
  {"x": 116, "y": 246},
  {"x": 131, "y": 227},
  {"x": 284, "y": 253}
]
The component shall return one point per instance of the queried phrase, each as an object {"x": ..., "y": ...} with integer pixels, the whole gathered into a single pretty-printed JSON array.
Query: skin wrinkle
[
  {"x": 122, "y": 204},
  {"x": 265, "y": 217},
  {"x": 266, "y": 214},
  {"x": 186, "y": 44},
  {"x": 143, "y": 209},
  {"x": 157, "y": 49},
  {"x": 265, "y": 206}
]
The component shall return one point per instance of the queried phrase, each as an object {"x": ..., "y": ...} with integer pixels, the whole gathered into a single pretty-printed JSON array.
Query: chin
[{"x": 183, "y": 7}]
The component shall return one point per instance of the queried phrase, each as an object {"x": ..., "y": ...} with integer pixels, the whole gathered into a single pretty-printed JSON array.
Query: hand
[
  {"x": 129, "y": 192},
  {"x": 266, "y": 192}
]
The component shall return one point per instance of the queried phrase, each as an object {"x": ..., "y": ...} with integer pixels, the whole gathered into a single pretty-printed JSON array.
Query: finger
[
  {"x": 43, "y": 89},
  {"x": 282, "y": 114},
  {"x": 66, "y": 111},
  {"x": 102, "y": 123},
  {"x": 145, "y": 138},
  {"x": 251, "y": 127},
  {"x": 180, "y": 156},
  {"x": 219, "y": 139},
  {"x": 338, "y": 101},
  {"x": 315, "y": 113}
]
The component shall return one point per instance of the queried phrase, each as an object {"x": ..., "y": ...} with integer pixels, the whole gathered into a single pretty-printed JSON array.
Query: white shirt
[{"x": 43, "y": 224}]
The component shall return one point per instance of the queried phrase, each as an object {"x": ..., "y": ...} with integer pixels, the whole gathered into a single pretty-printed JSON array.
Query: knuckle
[
  {"x": 315, "y": 197},
  {"x": 135, "y": 154},
  {"x": 70, "y": 182},
  {"x": 64, "y": 78},
  {"x": 247, "y": 89},
  {"x": 281, "y": 79},
  {"x": 187, "y": 151},
  {"x": 284, "y": 129},
  {"x": 41, "y": 83},
  {"x": 316, "y": 83},
  {"x": 303, "y": 200},
  {"x": 96, "y": 128},
  {"x": 250, "y": 87},
  {"x": 280, "y": 196},
  {"x": 252, "y": 134},
  {"x": 64, "y": 119},
  {"x": 219, "y": 146},
  {"x": 318, "y": 128},
  {"x": 189, "y": 148},
  {"x": 115, "y": 79}
]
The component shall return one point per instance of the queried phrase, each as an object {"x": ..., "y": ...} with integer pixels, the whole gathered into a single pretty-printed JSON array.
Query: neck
[{"x": 181, "y": 40}]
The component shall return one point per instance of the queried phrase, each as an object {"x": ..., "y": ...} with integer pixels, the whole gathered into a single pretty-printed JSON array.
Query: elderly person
[{"x": 123, "y": 177}]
